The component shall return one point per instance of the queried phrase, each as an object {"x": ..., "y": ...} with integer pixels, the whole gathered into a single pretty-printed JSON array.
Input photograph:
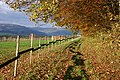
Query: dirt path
[{"x": 75, "y": 69}]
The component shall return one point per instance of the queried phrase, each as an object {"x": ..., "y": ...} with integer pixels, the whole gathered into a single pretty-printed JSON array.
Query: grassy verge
[{"x": 101, "y": 59}]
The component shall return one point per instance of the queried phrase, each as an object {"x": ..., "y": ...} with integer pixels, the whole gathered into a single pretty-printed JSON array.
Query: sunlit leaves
[{"x": 84, "y": 15}]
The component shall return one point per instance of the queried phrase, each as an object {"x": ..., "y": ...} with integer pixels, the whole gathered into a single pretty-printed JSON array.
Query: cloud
[
  {"x": 8, "y": 15},
  {"x": 4, "y": 8}
]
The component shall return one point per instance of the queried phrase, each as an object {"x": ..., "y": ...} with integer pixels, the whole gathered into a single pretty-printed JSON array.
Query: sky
[{"x": 8, "y": 15}]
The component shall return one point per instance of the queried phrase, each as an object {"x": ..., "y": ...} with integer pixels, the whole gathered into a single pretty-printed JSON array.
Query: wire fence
[{"x": 49, "y": 41}]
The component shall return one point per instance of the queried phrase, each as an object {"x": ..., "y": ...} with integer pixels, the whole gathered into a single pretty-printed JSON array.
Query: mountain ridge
[
  {"x": 13, "y": 29},
  {"x": 54, "y": 31}
]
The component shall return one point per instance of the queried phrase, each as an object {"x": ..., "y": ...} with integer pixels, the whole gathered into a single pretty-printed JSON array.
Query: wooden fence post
[
  {"x": 60, "y": 39},
  {"x": 16, "y": 61},
  {"x": 67, "y": 38},
  {"x": 55, "y": 42},
  {"x": 72, "y": 37},
  {"x": 31, "y": 37},
  {"x": 39, "y": 46},
  {"x": 52, "y": 38},
  {"x": 47, "y": 40}
]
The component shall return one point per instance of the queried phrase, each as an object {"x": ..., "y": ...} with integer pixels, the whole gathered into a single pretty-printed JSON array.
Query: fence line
[
  {"x": 31, "y": 49},
  {"x": 31, "y": 46},
  {"x": 16, "y": 61}
]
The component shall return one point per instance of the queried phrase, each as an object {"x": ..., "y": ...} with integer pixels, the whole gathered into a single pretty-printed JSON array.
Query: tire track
[{"x": 71, "y": 72}]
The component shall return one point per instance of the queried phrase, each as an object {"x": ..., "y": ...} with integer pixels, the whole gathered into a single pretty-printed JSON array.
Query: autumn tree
[{"x": 88, "y": 16}]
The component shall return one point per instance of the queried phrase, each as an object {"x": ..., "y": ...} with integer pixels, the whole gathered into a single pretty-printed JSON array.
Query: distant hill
[
  {"x": 53, "y": 31},
  {"x": 12, "y": 29}
]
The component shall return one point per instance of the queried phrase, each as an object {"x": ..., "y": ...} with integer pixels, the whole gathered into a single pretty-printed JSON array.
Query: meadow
[{"x": 7, "y": 49}]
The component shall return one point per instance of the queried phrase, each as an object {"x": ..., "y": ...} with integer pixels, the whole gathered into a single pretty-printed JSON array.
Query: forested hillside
[{"x": 13, "y": 30}]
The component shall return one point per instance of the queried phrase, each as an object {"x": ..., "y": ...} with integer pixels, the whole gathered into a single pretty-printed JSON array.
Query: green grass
[
  {"x": 50, "y": 64},
  {"x": 7, "y": 49}
]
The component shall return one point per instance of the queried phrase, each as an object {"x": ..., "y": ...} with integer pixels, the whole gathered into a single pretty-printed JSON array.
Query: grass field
[{"x": 7, "y": 49}]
